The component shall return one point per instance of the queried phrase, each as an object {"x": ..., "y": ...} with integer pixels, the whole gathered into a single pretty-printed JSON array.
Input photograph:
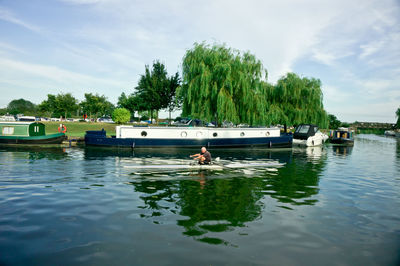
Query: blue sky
[{"x": 102, "y": 46}]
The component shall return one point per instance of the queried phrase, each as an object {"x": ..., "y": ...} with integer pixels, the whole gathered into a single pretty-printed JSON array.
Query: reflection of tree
[
  {"x": 221, "y": 205},
  {"x": 217, "y": 206},
  {"x": 298, "y": 181},
  {"x": 214, "y": 205},
  {"x": 37, "y": 152}
]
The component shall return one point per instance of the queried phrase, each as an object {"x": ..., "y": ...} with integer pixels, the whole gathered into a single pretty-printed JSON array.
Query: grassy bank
[
  {"x": 377, "y": 131},
  {"x": 78, "y": 129}
]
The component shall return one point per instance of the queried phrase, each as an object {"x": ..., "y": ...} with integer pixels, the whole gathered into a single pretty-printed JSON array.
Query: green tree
[
  {"x": 223, "y": 84},
  {"x": 296, "y": 100},
  {"x": 151, "y": 89},
  {"x": 398, "y": 118},
  {"x": 96, "y": 105},
  {"x": 21, "y": 106},
  {"x": 59, "y": 105},
  {"x": 130, "y": 102},
  {"x": 66, "y": 103},
  {"x": 334, "y": 123},
  {"x": 171, "y": 100},
  {"x": 121, "y": 115}
]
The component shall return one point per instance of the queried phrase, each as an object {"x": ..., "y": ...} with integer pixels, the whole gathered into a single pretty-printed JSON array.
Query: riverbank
[{"x": 78, "y": 129}]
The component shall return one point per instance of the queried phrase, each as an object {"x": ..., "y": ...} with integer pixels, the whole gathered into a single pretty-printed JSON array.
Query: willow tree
[
  {"x": 220, "y": 84},
  {"x": 296, "y": 100}
]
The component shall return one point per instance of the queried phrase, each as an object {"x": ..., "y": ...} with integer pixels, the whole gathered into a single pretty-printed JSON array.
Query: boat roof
[
  {"x": 18, "y": 123},
  {"x": 199, "y": 128}
]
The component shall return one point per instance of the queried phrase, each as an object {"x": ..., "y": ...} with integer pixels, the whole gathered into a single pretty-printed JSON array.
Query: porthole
[
  {"x": 199, "y": 134},
  {"x": 267, "y": 133},
  {"x": 242, "y": 134},
  {"x": 215, "y": 134},
  {"x": 183, "y": 134},
  {"x": 144, "y": 133}
]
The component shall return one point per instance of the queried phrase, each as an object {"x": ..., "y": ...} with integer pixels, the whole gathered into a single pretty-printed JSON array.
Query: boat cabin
[
  {"x": 305, "y": 131},
  {"x": 341, "y": 134},
  {"x": 22, "y": 129}
]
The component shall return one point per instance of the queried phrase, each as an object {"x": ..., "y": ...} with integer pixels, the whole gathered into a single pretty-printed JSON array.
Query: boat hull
[
  {"x": 342, "y": 142},
  {"x": 96, "y": 138},
  {"x": 57, "y": 138}
]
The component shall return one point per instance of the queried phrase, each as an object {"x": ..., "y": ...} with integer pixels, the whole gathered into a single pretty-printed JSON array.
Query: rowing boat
[{"x": 209, "y": 166}]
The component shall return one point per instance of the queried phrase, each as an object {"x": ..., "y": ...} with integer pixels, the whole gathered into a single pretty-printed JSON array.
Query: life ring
[{"x": 62, "y": 129}]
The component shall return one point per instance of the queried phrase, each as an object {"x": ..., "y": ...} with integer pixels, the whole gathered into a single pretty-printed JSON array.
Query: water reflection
[
  {"x": 342, "y": 151},
  {"x": 33, "y": 153},
  {"x": 212, "y": 202}
]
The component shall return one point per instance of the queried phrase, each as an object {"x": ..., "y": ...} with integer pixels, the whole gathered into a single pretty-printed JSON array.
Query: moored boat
[
  {"x": 27, "y": 133},
  {"x": 186, "y": 137},
  {"x": 341, "y": 136},
  {"x": 308, "y": 135}
]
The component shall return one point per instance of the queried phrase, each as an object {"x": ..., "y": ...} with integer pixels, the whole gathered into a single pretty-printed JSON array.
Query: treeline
[
  {"x": 62, "y": 105},
  {"x": 218, "y": 84}
]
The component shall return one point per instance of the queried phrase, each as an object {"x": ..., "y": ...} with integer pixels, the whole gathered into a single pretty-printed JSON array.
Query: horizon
[{"x": 100, "y": 46}]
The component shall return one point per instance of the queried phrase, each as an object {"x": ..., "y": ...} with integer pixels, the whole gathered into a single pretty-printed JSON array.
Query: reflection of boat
[
  {"x": 308, "y": 135},
  {"x": 342, "y": 136},
  {"x": 203, "y": 167},
  {"x": 392, "y": 133},
  {"x": 27, "y": 133},
  {"x": 342, "y": 151},
  {"x": 147, "y": 137}
]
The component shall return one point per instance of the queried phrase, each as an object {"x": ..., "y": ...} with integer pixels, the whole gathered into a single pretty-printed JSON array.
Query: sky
[{"x": 102, "y": 46}]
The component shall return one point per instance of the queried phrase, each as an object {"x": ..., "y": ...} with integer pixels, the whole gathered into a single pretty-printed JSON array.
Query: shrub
[{"x": 121, "y": 115}]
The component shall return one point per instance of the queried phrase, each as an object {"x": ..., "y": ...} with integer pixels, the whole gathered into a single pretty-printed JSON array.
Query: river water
[{"x": 323, "y": 206}]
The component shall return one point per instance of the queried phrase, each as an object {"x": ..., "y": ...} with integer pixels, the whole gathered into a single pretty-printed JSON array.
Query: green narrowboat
[{"x": 27, "y": 133}]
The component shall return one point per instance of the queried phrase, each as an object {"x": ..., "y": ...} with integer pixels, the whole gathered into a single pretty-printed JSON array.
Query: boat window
[
  {"x": 183, "y": 134},
  {"x": 8, "y": 130},
  {"x": 303, "y": 129},
  {"x": 144, "y": 133},
  {"x": 215, "y": 134},
  {"x": 267, "y": 133},
  {"x": 242, "y": 134}
]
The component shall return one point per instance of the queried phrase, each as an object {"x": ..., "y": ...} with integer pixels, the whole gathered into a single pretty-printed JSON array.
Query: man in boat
[{"x": 204, "y": 156}]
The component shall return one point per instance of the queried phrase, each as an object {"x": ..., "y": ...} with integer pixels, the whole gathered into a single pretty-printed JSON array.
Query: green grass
[{"x": 78, "y": 129}]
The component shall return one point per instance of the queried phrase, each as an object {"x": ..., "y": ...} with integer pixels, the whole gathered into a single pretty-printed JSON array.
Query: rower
[{"x": 204, "y": 157}]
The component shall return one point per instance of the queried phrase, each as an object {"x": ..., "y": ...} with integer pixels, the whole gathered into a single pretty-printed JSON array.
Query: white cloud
[{"x": 9, "y": 16}]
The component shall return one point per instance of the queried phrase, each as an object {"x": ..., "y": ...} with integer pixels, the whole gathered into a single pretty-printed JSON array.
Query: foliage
[
  {"x": 172, "y": 100},
  {"x": 222, "y": 84},
  {"x": 334, "y": 123},
  {"x": 21, "y": 106},
  {"x": 398, "y": 118},
  {"x": 59, "y": 105},
  {"x": 296, "y": 100},
  {"x": 3, "y": 111},
  {"x": 130, "y": 102},
  {"x": 96, "y": 105},
  {"x": 121, "y": 115},
  {"x": 155, "y": 91}
]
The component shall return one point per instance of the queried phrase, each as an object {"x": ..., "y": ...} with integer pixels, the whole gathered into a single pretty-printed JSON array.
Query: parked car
[{"x": 105, "y": 120}]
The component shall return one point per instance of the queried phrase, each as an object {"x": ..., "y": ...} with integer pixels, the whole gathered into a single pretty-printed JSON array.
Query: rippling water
[{"x": 324, "y": 206}]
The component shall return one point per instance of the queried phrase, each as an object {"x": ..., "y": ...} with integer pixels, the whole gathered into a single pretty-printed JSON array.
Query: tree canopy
[
  {"x": 121, "y": 115},
  {"x": 96, "y": 105},
  {"x": 21, "y": 106},
  {"x": 221, "y": 83},
  {"x": 59, "y": 105},
  {"x": 155, "y": 90},
  {"x": 296, "y": 100}
]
